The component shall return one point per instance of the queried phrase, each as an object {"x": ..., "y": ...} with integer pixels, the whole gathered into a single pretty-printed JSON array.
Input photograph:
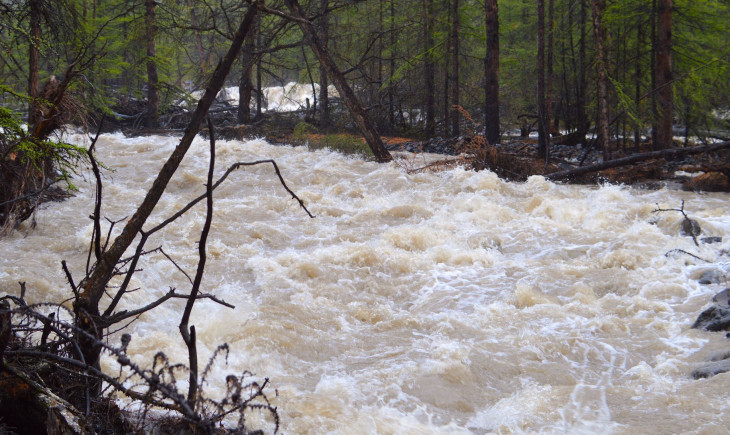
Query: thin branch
[
  {"x": 189, "y": 335},
  {"x": 69, "y": 278},
  {"x": 96, "y": 238},
  {"x": 682, "y": 251}
]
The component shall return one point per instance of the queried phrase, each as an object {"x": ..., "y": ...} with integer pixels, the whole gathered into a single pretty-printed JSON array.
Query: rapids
[
  {"x": 443, "y": 303},
  {"x": 289, "y": 97}
]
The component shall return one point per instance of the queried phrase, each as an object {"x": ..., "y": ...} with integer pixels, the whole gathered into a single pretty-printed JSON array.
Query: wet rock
[
  {"x": 715, "y": 318},
  {"x": 712, "y": 369},
  {"x": 710, "y": 277},
  {"x": 690, "y": 227},
  {"x": 722, "y": 298},
  {"x": 710, "y": 240}
]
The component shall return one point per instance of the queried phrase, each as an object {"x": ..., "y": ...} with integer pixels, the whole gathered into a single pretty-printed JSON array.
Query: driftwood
[
  {"x": 624, "y": 161},
  {"x": 29, "y": 405}
]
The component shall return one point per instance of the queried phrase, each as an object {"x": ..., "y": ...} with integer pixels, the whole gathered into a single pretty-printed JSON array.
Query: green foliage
[
  {"x": 340, "y": 142},
  {"x": 19, "y": 147},
  {"x": 302, "y": 130},
  {"x": 343, "y": 143}
]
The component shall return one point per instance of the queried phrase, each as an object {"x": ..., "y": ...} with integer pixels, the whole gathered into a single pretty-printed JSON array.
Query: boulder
[
  {"x": 712, "y": 369},
  {"x": 715, "y": 318},
  {"x": 690, "y": 227},
  {"x": 710, "y": 277},
  {"x": 711, "y": 239},
  {"x": 722, "y": 298}
]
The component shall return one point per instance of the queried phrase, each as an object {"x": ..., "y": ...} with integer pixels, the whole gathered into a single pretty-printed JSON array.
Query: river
[{"x": 433, "y": 303}]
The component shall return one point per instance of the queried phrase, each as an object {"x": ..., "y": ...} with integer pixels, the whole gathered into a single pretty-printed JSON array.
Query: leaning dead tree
[
  {"x": 72, "y": 341},
  {"x": 367, "y": 129},
  {"x": 92, "y": 288}
]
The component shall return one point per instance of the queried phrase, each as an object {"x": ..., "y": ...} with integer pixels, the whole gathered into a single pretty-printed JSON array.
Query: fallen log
[{"x": 635, "y": 158}]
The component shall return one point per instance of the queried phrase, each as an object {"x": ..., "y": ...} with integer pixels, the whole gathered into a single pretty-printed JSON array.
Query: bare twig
[
  {"x": 188, "y": 335},
  {"x": 69, "y": 278},
  {"x": 96, "y": 237},
  {"x": 682, "y": 251}
]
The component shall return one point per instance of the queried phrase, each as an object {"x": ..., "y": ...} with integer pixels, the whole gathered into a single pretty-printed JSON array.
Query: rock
[
  {"x": 722, "y": 298},
  {"x": 710, "y": 240},
  {"x": 690, "y": 227},
  {"x": 710, "y": 277},
  {"x": 719, "y": 356},
  {"x": 712, "y": 369},
  {"x": 708, "y": 182},
  {"x": 715, "y": 318}
]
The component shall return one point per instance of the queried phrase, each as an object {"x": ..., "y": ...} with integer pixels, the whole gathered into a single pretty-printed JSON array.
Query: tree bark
[
  {"x": 391, "y": 88},
  {"x": 245, "y": 84},
  {"x": 259, "y": 82},
  {"x": 653, "y": 75},
  {"x": 599, "y": 31},
  {"x": 198, "y": 38},
  {"x": 34, "y": 62},
  {"x": 491, "y": 73},
  {"x": 454, "y": 76},
  {"x": 664, "y": 74},
  {"x": 86, "y": 306},
  {"x": 582, "y": 119},
  {"x": 324, "y": 99},
  {"x": 429, "y": 67},
  {"x": 549, "y": 73},
  {"x": 365, "y": 125},
  {"x": 153, "y": 99},
  {"x": 637, "y": 86},
  {"x": 543, "y": 123}
]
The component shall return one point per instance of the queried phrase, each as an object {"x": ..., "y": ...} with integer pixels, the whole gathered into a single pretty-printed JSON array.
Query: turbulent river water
[{"x": 450, "y": 302}]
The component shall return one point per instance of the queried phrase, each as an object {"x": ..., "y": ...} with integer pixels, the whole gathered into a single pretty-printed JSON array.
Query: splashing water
[
  {"x": 289, "y": 97},
  {"x": 442, "y": 303}
]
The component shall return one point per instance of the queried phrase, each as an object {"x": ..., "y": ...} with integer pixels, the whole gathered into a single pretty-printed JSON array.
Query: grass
[{"x": 305, "y": 133}]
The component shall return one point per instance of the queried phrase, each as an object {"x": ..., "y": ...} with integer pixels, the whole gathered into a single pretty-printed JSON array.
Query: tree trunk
[
  {"x": 582, "y": 118},
  {"x": 599, "y": 31},
  {"x": 664, "y": 74},
  {"x": 259, "y": 86},
  {"x": 429, "y": 68},
  {"x": 153, "y": 99},
  {"x": 365, "y": 125},
  {"x": 454, "y": 76},
  {"x": 637, "y": 88},
  {"x": 391, "y": 88},
  {"x": 198, "y": 39},
  {"x": 543, "y": 123},
  {"x": 34, "y": 62},
  {"x": 324, "y": 99},
  {"x": 653, "y": 75},
  {"x": 549, "y": 74},
  {"x": 491, "y": 73},
  {"x": 245, "y": 83}
]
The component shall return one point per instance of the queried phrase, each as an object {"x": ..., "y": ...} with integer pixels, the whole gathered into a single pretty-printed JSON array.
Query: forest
[
  {"x": 631, "y": 81},
  {"x": 628, "y": 70}
]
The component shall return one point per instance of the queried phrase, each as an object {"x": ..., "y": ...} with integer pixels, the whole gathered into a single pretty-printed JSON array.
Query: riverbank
[{"x": 515, "y": 158}]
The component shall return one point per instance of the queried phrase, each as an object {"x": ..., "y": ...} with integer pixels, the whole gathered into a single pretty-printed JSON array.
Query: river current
[{"x": 431, "y": 303}]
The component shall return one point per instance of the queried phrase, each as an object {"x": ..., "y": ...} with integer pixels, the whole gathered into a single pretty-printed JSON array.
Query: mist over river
[{"x": 433, "y": 303}]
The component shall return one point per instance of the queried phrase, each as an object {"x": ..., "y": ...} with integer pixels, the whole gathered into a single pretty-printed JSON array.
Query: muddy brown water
[{"x": 441, "y": 303}]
